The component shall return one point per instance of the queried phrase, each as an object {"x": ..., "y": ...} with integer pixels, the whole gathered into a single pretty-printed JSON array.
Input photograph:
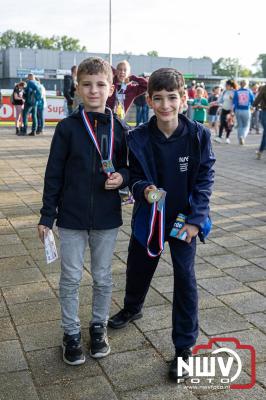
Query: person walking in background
[
  {"x": 255, "y": 115},
  {"x": 243, "y": 100},
  {"x": 41, "y": 105},
  {"x": 18, "y": 102},
  {"x": 227, "y": 113},
  {"x": 142, "y": 109},
  {"x": 127, "y": 88},
  {"x": 192, "y": 90},
  {"x": 32, "y": 95},
  {"x": 70, "y": 84},
  {"x": 213, "y": 108},
  {"x": 200, "y": 106},
  {"x": 260, "y": 102}
]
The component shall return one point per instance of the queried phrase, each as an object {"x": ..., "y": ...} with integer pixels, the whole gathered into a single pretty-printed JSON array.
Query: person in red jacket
[{"x": 127, "y": 88}]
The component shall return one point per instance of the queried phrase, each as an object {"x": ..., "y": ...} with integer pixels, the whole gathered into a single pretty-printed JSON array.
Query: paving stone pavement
[{"x": 231, "y": 273}]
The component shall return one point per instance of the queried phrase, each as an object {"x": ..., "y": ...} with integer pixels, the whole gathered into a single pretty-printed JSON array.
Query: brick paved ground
[{"x": 231, "y": 272}]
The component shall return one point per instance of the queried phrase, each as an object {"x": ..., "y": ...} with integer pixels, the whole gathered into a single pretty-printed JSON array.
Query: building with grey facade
[{"x": 51, "y": 65}]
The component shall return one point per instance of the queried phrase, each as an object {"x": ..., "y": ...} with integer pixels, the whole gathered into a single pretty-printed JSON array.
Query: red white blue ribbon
[
  {"x": 93, "y": 135},
  {"x": 155, "y": 213}
]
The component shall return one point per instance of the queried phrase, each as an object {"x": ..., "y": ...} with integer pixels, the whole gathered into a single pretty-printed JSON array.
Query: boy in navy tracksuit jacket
[{"x": 173, "y": 153}]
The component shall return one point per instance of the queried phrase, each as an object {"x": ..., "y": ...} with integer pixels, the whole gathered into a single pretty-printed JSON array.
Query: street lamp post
[
  {"x": 110, "y": 32},
  {"x": 237, "y": 60}
]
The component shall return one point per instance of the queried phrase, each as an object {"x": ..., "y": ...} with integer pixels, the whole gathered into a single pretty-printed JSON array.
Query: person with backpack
[
  {"x": 18, "y": 101},
  {"x": 32, "y": 95}
]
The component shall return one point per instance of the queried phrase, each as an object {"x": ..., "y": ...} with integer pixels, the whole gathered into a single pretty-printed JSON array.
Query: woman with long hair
[{"x": 227, "y": 112}]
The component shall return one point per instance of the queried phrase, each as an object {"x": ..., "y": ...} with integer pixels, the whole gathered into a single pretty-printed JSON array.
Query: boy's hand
[
  {"x": 192, "y": 231},
  {"x": 114, "y": 181},
  {"x": 149, "y": 189},
  {"x": 42, "y": 231}
]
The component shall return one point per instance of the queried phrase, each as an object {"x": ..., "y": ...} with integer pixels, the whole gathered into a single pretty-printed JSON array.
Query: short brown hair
[
  {"x": 94, "y": 66},
  {"x": 166, "y": 79}
]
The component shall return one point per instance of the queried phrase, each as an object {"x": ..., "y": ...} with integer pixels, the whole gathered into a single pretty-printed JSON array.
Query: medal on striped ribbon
[
  {"x": 156, "y": 212},
  {"x": 106, "y": 164}
]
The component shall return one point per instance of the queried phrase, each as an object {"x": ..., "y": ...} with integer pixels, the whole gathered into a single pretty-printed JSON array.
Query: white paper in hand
[{"x": 50, "y": 247}]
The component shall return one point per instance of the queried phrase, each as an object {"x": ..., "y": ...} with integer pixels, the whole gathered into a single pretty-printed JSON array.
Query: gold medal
[{"x": 154, "y": 196}]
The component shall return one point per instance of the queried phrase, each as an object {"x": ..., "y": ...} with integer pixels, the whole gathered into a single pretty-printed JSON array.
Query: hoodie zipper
[{"x": 92, "y": 180}]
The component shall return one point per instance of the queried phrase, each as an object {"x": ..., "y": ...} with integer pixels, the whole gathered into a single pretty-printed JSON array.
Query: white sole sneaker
[
  {"x": 77, "y": 362},
  {"x": 100, "y": 354}
]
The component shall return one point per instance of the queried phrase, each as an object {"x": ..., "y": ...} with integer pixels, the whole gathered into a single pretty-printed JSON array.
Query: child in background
[
  {"x": 200, "y": 106},
  {"x": 127, "y": 88}
]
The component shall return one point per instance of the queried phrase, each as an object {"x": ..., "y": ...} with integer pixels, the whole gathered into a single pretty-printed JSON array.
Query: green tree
[
  {"x": 30, "y": 40},
  {"x": 153, "y": 53},
  {"x": 245, "y": 72},
  {"x": 229, "y": 66},
  {"x": 261, "y": 61},
  {"x": 225, "y": 66}
]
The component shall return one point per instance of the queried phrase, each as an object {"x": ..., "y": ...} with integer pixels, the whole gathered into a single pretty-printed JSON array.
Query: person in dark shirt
[
  {"x": 213, "y": 108},
  {"x": 174, "y": 154},
  {"x": 260, "y": 102},
  {"x": 70, "y": 84}
]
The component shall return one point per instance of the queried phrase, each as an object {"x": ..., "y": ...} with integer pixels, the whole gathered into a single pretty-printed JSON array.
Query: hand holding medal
[
  {"x": 148, "y": 193},
  {"x": 114, "y": 181},
  {"x": 156, "y": 197}
]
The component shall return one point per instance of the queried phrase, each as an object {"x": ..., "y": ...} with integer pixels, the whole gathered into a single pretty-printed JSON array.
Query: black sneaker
[
  {"x": 184, "y": 353},
  {"x": 123, "y": 318},
  {"x": 99, "y": 341},
  {"x": 33, "y": 133},
  {"x": 72, "y": 350}
]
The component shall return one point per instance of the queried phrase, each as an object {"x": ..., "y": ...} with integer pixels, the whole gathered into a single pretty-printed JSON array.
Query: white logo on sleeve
[{"x": 183, "y": 163}]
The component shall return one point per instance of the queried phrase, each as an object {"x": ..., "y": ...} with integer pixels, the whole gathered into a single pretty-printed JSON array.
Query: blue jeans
[
  {"x": 255, "y": 120},
  {"x": 263, "y": 122},
  {"x": 243, "y": 123},
  {"x": 142, "y": 114},
  {"x": 40, "y": 118},
  {"x": 140, "y": 270},
  {"x": 73, "y": 244},
  {"x": 33, "y": 110}
]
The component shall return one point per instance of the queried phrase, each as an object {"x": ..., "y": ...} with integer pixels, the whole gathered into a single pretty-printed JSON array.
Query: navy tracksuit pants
[{"x": 140, "y": 270}]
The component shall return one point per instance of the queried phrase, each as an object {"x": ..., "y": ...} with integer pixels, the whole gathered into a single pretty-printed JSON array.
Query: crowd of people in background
[{"x": 235, "y": 105}]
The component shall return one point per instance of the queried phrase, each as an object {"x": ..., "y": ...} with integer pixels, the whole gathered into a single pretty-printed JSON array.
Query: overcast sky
[{"x": 177, "y": 28}]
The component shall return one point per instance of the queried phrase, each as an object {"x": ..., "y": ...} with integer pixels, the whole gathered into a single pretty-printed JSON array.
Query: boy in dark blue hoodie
[{"x": 172, "y": 153}]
